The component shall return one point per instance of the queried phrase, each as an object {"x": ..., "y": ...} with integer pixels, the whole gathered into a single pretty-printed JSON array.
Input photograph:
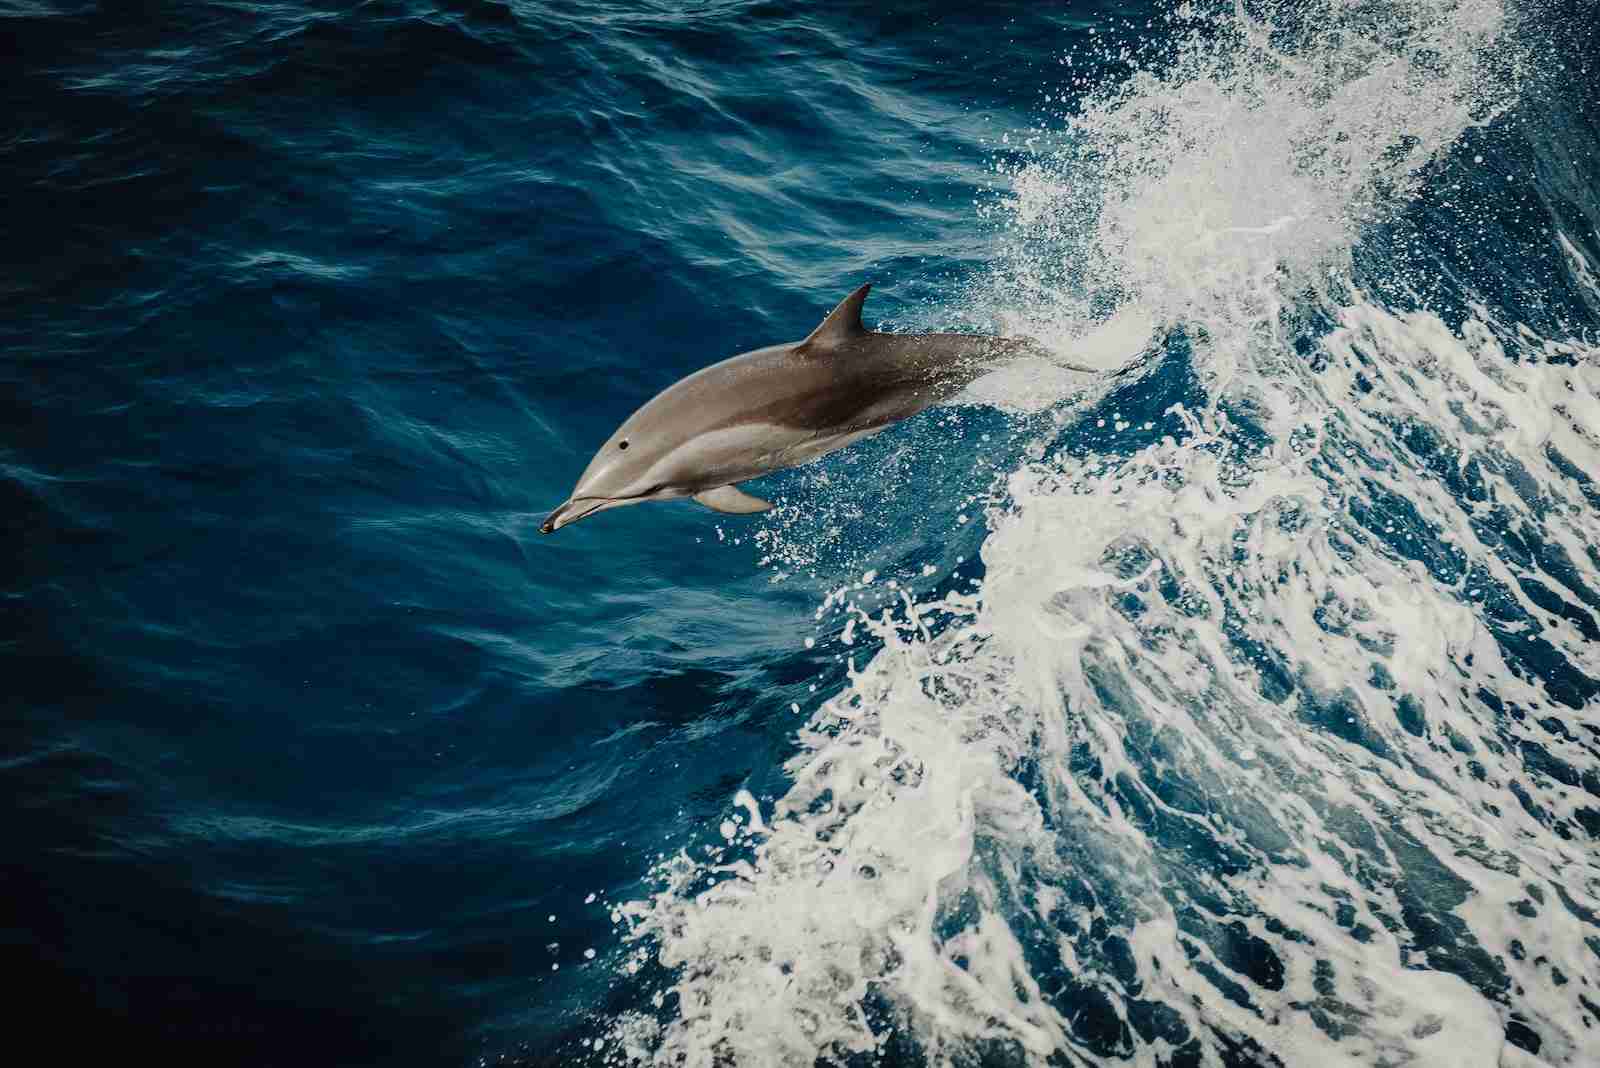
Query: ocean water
[{"x": 1242, "y": 709}]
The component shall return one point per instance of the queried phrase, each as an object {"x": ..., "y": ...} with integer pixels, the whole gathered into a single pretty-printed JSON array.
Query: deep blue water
[{"x": 314, "y": 747}]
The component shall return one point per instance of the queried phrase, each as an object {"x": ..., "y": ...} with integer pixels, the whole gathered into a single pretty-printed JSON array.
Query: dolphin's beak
[
  {"x": 571, "y": 511},
  {"x": 557, "y": 519},
  {"x": 577, "y": 508}
]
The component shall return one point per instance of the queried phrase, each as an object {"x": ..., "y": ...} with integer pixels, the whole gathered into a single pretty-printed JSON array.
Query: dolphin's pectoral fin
[{"x": 732, "y": 500}]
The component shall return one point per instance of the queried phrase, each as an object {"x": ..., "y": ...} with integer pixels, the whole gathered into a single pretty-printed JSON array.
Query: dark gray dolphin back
[{"x": 888, "y": 377}]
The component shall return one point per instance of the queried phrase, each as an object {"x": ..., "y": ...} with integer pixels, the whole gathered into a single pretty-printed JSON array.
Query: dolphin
[{"x": 774, "y": 408}]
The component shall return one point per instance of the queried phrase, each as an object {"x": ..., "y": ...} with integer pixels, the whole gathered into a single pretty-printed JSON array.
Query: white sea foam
[{"x": 1207, "y": 763}]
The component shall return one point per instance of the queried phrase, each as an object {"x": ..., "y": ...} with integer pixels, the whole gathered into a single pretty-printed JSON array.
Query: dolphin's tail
[
  {"x": 1028, "y": 346},
  {"x": 1023, "y": 375}
]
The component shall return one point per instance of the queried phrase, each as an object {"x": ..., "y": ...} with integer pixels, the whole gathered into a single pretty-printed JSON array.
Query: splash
[{"x": 1266, "y": 740}]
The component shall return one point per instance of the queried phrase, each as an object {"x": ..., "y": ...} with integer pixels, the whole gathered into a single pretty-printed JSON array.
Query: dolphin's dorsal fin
[
  {"x": 732, "y": 500},
  {"x": 842, "y": 324}
]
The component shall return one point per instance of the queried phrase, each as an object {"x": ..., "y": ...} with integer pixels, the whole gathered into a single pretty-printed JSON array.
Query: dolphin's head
[
  {"x": 626, "y": 470},
  {"x": 657, "y": 454},
  {"x": 712, "y": 429},
  {"x": 690, "y": 438}
]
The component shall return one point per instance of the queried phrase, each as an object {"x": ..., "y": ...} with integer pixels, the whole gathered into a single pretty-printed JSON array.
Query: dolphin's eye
[{"x": 622, "y": 444}]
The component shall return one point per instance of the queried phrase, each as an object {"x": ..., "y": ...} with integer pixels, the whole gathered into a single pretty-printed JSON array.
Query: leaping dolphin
[{"x": 773, "y": 408}]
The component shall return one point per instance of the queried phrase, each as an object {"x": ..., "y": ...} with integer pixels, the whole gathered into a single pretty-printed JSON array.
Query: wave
[{"x": 1261, "y": 733}]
